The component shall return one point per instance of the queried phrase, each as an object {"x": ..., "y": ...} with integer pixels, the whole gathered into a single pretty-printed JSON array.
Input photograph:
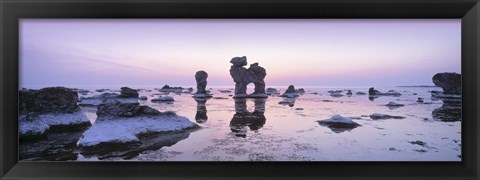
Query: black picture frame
[{"x": 12, "y": 10}]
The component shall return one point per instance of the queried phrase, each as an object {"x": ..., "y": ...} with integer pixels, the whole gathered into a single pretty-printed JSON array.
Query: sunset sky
[{"x": 324, "y": 52}]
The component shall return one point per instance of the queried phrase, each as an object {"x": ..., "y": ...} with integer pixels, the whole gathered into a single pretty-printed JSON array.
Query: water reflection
[
  {"x": 243, "y": 118},
  {"x": 55, "y": 147},
  {"x": 201, "y": 115},
  {"x": 450, "y": 111}
]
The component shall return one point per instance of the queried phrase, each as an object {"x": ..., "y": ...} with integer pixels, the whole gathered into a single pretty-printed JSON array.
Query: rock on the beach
[
  {"x": 143, "y": 97},
  {"x": 349, "y": 92},
  {"x": 163, "y": 98},
  {"x": 166, "y": 88},
  {"x": 50, "y": 109},
  {"x": 451, "y": 83},
  {"x": 339, "y": 123},
  {"x": 420, "y": 100},
  {"x": 127, "y": 92},
  {"x": 378, "y": 116}
]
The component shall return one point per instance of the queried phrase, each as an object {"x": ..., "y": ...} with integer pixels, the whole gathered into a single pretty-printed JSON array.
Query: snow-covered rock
[
  {"x": 163, "y": 98},
  {"x": 377, "y": 116},
  {"x": 119, "y": 123},
  {"x": 339, "y": 123},
  {"x": 49, "y": 109},
  {"x": 52, "y": 122}
]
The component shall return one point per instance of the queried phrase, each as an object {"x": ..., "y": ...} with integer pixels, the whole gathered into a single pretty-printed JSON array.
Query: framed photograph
[{"x": 251, "y": 89}]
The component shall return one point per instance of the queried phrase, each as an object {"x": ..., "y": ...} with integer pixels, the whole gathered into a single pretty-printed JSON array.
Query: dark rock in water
[
  {"x": 290, "y": 92},
  {"x": 271, "y": 91},
  {"x": 339, "y": 124},
  {"x": 128, "y": 93},
  {"x": 360, "y": 93},
  {"x": 349, "y": 92},
  {"x": 393, "y": 105},
  {"x": 451, "y": 83},
  {"x": 102, "y": 90},
  {"x": 288, "y": 101},
  {"x": 243, "y": 118},
  {"x": 378, "y": 116},
  {"x": 417, "y": 142},
  {"x": 300, "y": 91},
  {"x": 118, "y": 109},
  {"x": 242, "y": 77},
  {"x": 291, "y": 89},
  {"x": 420, "y": 100},
  {"x": 49, "y": 100},
  {"x": 373, "y": 92},
  {"x": 167, "y": 88}
]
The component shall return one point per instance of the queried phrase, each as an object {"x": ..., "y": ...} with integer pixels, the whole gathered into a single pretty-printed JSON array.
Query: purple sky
[{"x": 301, "y": 52}]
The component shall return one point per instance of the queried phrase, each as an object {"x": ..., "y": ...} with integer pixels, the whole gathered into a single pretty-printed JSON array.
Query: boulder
[
  {"x": 378, "y": 116},
  {"x": 163, "y": 98},
  {"x": 373, "y": 92},
  {"x": 127, "y": 92},
  {"x": 339, "y": 123},
  {"x": 290, "y": 92},
  {"x": 52, "y": 109},
  {"x": 451, "y": 83}
]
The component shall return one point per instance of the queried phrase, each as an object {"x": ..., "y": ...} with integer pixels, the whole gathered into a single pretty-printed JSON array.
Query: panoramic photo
[{"x": 240, "y": 90}]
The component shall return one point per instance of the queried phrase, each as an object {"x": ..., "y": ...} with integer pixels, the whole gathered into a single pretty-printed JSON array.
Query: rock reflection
[
  {"x": 450, "y": 111},
  {"x": 149, "y": 142},
  {"x": 243, "y": 118},
  {"x": 201, "y": 115},
  {"x": 55, "y": 147}
]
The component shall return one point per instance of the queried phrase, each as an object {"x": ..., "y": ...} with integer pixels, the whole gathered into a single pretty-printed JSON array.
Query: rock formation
[
  {"x": 201, "y": 78},
  {"x": 127, "y": 92},
  {"x": 242, "y": 77},
  {"x": 290, "y": 92},
  {"x": 373, "y": 92},
  {"x": 451, "y": 83},
  {"x": 451, "y": 109}
]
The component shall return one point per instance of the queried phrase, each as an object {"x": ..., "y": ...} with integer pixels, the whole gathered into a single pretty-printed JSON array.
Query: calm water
[{"x": 269, "y": 131}]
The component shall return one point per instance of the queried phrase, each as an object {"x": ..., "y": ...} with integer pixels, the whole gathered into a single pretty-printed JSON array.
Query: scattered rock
[
  {"x": 420, "y": 100},
  {"x": 290, "y": 92},
  {"x": 288, "y": 101},
  {"x": 393, "y": 105},
  {"x": 349, "y": 92},
  {"x": 143, "y": 98},
  {"x": 373, "y": 92},
  {"x": 339, "y": 124},
  {"x": 378, "y": 116},
  {"x": 127, "y": 92},
  {"x": 167, "y": 88},
  {"x": 163, "y": 98},
  {"x": 271, "y": 91}
]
